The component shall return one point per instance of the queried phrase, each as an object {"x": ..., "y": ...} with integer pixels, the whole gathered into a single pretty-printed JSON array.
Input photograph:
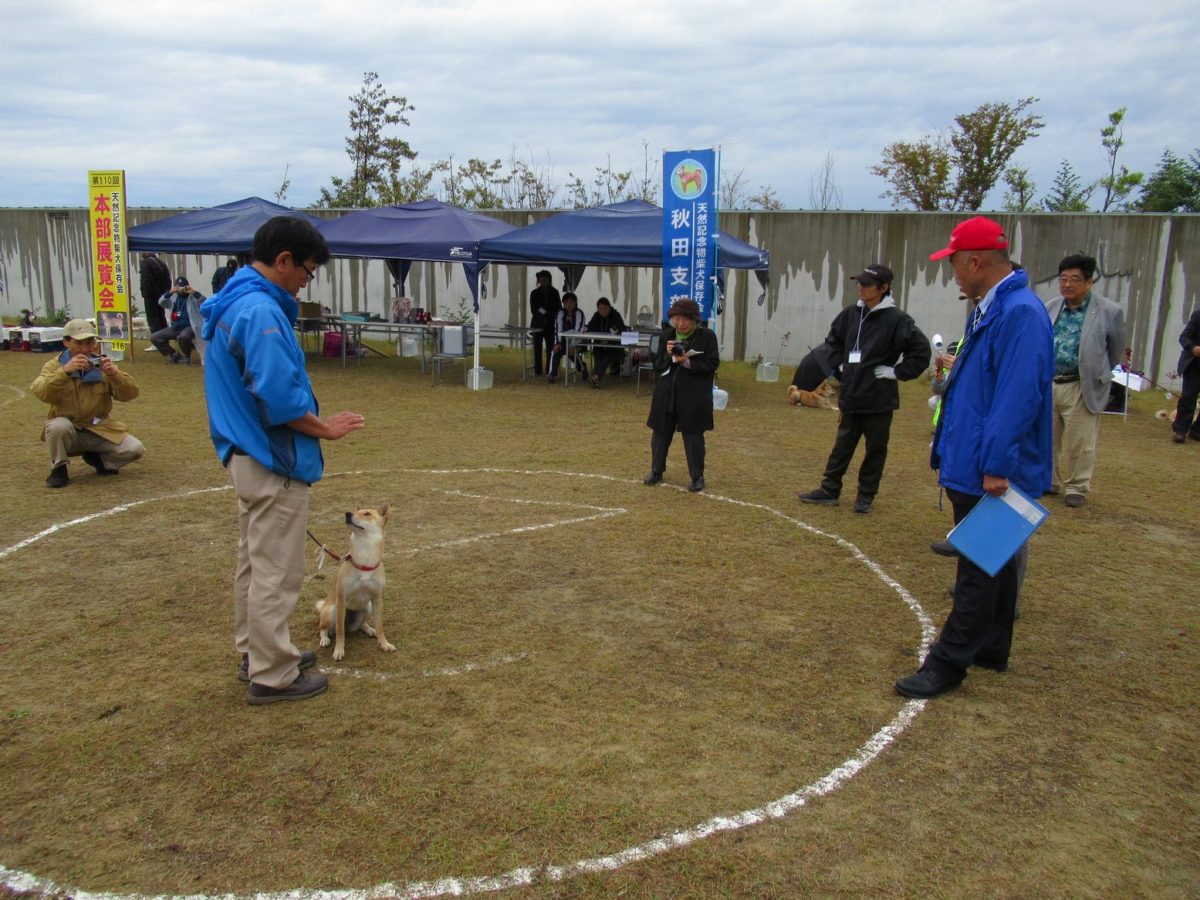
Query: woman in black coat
[{"x": 683, "y": 396}]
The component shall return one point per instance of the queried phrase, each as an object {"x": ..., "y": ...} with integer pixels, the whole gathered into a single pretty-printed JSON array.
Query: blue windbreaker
[
  {"x": 998, "y": 402},
  {"x": 255, "y": 379}
]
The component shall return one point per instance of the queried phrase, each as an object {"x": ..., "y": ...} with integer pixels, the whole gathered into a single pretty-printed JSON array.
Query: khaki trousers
[
  {"x": 272, "y": 517},
  {"x": 63, "y": 440},
  {"x": 1076, "y": 429}
]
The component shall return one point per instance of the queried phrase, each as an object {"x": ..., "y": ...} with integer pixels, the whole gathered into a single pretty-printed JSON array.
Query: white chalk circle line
[{"x": 867, "y": 752}]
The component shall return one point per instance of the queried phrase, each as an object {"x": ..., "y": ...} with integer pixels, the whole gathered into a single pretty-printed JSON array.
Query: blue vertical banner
[{"x": 690, "y": 228}]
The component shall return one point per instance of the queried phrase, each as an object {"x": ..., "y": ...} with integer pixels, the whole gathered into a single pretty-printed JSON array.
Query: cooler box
[
  {"x": 45, "y": 340},
  {"x": 455, "y": 339}
]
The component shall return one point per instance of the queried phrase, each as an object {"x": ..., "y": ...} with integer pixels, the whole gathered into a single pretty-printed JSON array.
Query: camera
[
  {"x": 680, "y": 348},
  {"x": 95, "y": 361}
]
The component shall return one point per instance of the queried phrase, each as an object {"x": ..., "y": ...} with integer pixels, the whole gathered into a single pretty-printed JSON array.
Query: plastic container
[
  {"x": 767, "y": 371},
  {"x": 720, "y": 397},
  {"x": 479, "y": 379},
  {"x": 407, "y": 346}
]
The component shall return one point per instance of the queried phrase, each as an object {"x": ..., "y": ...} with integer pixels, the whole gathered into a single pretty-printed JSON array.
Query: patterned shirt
[{"x": 1067, "y": 329}]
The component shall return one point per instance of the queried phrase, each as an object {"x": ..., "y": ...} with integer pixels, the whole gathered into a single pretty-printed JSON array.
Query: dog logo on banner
[{"x": 689, "y": 179}]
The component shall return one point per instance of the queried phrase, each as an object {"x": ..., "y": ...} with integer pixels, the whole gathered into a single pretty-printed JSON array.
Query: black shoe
[
  {"x": 1178, "y": 437},
  {"x": 307, "y": 684},
  {"x": 821, "y": 496},
  {"x": 925, "y": 685},
  {"x": 994, "y": 664},
  {"x": 58, "y": 477},
  {"x": 862, "y": 504},
  {"x": 94, "y": 460},
  {"x": 697, "y": 485},
  {"x": 943, "y": 548},
  {"x": 652, "y": 477},
  {"x": 308, "y": 659}
]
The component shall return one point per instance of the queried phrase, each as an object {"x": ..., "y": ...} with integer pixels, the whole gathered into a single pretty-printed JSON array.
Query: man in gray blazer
[{"x": 1089, "y": 340}]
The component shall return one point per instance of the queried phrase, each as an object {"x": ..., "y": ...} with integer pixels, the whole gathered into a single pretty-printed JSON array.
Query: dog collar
[{"x": 350, "y": 559}]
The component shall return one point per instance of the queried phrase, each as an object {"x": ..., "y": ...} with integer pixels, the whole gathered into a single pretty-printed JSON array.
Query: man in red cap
[{"x": 995, "y": 430}]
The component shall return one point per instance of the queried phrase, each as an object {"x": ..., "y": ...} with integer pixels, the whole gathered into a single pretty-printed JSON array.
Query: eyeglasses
[
  {"x": 311, "y": 273},
  {"x": 1072, "y": 279}
]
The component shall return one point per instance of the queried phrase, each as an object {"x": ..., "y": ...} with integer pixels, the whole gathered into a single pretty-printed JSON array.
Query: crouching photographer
[
  {"x": 683, "y": 395},
  {"x": 80, "y": 385}
]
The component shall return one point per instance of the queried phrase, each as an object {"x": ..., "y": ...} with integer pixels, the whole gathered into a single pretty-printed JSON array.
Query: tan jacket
[{"x": 87, "y": 404}]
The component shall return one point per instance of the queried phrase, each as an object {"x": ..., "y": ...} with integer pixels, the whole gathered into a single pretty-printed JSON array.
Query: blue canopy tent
[
  {"x": 427, "y": 230},
  {"x": 228, "y": 228},
  {"x": 629, "y": 233}
]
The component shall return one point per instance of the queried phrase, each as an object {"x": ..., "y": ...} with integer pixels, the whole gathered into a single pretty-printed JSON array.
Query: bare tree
[
  {"x": 823, "y": 191},
  {"x": 766, "y": 198},
  {"x": 281, "y": 194},
  {"x": 646, "y": 187},
  {"x": 735, "y": 192}
]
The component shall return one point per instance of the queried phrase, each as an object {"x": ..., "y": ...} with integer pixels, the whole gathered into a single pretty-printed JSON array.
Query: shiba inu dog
[{"x": 357, "y": 589}]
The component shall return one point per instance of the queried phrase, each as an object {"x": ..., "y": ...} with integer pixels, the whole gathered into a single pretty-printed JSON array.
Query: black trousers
[
  {"x": 980, "y": 624},
  {"x": 1185, "y": 412},
  {"x": 604, "y": 358},
  {"x": 542, "y": 342},
  {"x": 876, "y": 428},
  {"x": 693, "y": 448}
]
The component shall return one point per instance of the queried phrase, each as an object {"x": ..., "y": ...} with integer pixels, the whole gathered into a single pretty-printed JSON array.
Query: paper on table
[{"x": 629, "y": 338}]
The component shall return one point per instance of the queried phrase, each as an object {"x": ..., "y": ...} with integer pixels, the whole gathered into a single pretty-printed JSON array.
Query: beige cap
[{"x": 79, "y": 330}]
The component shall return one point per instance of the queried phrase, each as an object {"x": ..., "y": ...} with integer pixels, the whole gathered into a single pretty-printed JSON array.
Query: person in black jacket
[
  {"x": 1186, "y": 422},
  {"x": 683, "y": 395},
  {"x": 872, "y": 343},
  {"x": 155, "y": 280},
  {"x": 544, "y": 305},
  {"x": 605, "y": 356}
]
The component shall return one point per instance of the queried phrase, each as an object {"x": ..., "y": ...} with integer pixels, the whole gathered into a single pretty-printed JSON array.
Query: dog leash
[{"x": 325, "y": 551}]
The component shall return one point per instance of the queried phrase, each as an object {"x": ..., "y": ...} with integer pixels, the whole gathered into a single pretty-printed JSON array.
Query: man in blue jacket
[
  {"x": 263, "y": 419},
  {"x": 995, "y": 430}
]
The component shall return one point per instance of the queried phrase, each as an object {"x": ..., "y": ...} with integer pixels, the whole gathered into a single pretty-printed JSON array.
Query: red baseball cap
[{"x": 979, "y": 233}]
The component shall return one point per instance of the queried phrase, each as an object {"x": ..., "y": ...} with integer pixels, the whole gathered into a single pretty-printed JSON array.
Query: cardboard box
[{"x": 310, "y": 310}]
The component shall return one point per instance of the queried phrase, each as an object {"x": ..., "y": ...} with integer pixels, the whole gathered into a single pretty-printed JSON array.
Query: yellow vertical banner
[{"x": 110, "y": 278}]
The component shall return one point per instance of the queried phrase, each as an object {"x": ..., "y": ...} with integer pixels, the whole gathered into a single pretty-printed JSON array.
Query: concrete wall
[{"x": 1150, "y": 266}]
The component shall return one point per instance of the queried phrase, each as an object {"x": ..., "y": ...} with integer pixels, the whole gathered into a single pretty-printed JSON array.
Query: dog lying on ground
[
  {"x": 357, "y": 589},
  {"x": 823, "y": 397}
]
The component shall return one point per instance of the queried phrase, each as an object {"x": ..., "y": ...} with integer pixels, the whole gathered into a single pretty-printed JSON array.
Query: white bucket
[{"x": 406, "y": 346}]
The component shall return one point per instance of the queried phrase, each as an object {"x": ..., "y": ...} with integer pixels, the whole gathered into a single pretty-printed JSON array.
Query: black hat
[
  {"x": 684, "y": 307},
  {"x": 181, "y": 282},
  {"x": 874, "y": 274}
]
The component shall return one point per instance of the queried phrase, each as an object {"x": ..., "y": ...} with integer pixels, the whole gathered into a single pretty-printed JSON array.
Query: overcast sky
[{"x": 208, "y": 101}]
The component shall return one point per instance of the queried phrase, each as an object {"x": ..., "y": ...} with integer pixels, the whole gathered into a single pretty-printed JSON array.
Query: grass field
[{"x": 585, "y": 665}]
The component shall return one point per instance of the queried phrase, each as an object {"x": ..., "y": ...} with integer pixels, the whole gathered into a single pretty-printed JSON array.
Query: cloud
[{"x": 210, "y": 101}]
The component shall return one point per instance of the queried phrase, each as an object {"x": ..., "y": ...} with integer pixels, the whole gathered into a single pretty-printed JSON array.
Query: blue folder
[{"x": 996, "y": 528}]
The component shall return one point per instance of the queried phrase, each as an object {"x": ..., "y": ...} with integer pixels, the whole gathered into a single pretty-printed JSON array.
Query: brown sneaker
[{"x": 307, "y": 684}]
